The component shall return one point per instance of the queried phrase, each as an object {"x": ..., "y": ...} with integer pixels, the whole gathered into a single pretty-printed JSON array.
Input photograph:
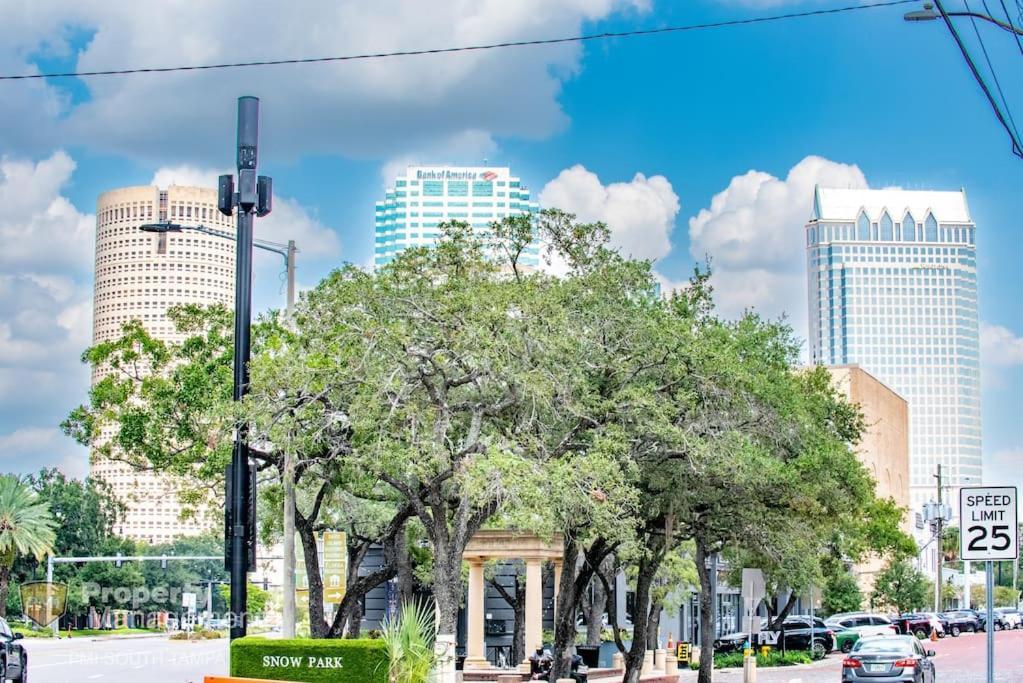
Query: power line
[
  {"x": 991, "y": 68},
  {"x": 1017, "y": 148},
  {"x": 1008, "y": 17},
  {"x": 468, "y": 48}
]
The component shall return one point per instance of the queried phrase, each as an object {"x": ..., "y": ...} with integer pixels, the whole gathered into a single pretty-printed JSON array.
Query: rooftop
[{"x": 840, "y": 204}]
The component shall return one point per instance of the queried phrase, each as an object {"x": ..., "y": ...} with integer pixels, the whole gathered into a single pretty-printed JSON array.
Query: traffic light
[{"x": 264, "y": 195}]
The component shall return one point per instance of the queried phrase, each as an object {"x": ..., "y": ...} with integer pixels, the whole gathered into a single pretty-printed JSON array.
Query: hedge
[{"x": 310, "y": 661}]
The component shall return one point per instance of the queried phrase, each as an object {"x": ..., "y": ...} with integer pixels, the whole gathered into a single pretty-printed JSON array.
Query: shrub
[
  {"x": 773, "y": 658},
  {"x": 310, "y": 661},
  {"x": 409, "y": 642}
]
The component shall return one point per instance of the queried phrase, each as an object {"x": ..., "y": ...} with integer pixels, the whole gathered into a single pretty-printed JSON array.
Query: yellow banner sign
[{"x": 335, "y": 566}]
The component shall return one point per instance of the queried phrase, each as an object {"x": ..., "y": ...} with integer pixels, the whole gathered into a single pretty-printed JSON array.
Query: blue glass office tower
[
  {"x": 892, "y": 284},
  {"x": 426, "y": 196}
]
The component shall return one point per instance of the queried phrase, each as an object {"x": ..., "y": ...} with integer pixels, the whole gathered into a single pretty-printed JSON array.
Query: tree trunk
[
  {"x": 596, "y": 604},
  {"x": 706, "y": 615},
  {"x": 317, "y": 624},
  {"x": 564, "y": 617},
  {"x": 406, "y": 574},
  {"x": 780, "y": 617},
  {"x": 648, "y": 566},
  {"x": 653, "y": 626},
  {"x": 5, "y": 587},
  {"x": 517, "y": 601},
  {"x": 353, "y": 620}
]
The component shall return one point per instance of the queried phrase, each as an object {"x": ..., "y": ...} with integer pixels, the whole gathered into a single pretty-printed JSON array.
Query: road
[
  {"x": 958, "y": 660},
  {"x": 159, "y": 660},
  {"x": 152, "y": 660}
]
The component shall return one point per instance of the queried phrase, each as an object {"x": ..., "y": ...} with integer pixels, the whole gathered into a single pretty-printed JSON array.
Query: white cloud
[
  {"x": 357, "y": 108},
  {"x": 640, "y": 213},
  {"x": 31, "y": 448},
  {"x": 45, "y": 297},
  {"x": 1000, "y": 347},
  {"x": 1003, "y": 468},
  {"x": 753, "y": 234},
  {"x": 185, "y": 174}
]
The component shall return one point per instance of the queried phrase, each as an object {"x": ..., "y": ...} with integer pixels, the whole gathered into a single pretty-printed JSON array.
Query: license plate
[{"x": 877, "y": 668}]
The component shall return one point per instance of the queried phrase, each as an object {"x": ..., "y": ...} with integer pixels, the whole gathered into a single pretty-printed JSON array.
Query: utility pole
[
  {"x": 253, "y": 196},
  {"x": 288, "y": 607},
  {"x": 940, "y": 524}
]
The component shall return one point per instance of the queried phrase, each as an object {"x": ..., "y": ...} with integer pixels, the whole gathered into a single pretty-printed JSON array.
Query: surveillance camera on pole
[{"x": 251, "y": 195}]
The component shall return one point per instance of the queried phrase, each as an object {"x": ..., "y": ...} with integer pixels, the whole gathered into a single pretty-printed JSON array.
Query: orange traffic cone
[{"x": 934, "y": 634}]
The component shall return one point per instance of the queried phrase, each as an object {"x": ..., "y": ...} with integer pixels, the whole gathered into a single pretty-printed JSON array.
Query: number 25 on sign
[{"x": 988, "y": 518}]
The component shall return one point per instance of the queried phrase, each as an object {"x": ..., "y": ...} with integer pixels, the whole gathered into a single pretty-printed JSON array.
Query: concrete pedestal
[
  {"x": 618, "y": 661},
  {"x": 659, "y": 657},
  {"x": 749, "y": 670},
  {"x": 670, "y": 666},
  {"x": 648, "y": 663}
]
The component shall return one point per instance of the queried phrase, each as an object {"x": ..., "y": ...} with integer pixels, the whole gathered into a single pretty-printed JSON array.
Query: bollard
[
  {"x": 648, "y": 663},
  {"x": 749, "y": 670},
  {"x": 618, "y": 661},
  {"x": 659, "y": 657},
  {"x": 670, "y": 666}
]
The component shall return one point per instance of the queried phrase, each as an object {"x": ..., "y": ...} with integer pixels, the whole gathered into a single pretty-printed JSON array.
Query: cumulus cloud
[
  {"x": 45, "y": 307},
  {"x": 185, "y": 174},
  {"x": 358, "y": 108},
  {"x": 753, "y": 234},
  {"x": 640, "y": 213},
  {"x": 32, "y": 448},
  {"x": 1000, "y": 346}
]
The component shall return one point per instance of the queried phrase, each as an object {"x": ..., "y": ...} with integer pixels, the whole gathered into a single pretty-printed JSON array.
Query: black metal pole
[{"x": 248, "y": 133}]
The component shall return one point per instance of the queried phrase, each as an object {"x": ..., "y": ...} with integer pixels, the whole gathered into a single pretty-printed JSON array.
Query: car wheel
[
  {"x": 23, "y": 678},
  {"x": 955, "y": 631},
  {"x": 847, "y": 646},
  {"x": 819, "y": 650},
  {"x": 920, "y": 633}
]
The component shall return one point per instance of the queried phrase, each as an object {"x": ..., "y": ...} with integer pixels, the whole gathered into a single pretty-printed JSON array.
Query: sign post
[{"x": 988, "y": 517}]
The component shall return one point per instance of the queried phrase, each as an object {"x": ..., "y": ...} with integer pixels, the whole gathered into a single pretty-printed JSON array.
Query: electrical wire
[
  {"x": 469, "y": 48},
  {"x": 991, "y": 67},
  {"x": 1008, "y": 18},
  {"x": 1017, "y": 148}
]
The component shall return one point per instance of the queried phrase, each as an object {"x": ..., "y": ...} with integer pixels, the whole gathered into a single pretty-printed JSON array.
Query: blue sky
[{"x": 756, "y": 112}]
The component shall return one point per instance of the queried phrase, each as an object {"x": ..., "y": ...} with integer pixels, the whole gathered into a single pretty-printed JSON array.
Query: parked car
[
  {"x": 846, "y": 638},
  {"x": 917, "y": 624},
  {"x": 1011, "y": 616},
  {"x": 869, "y": 624},
  {"x": 960, "y": 621},
  {"x": 14, "y": 664},
  {"x": 1000, "y": 622},
  {"x": 898, "y": 658},
  {"x": 797, "y": 636},
  {"x": 937, "y": 617}
]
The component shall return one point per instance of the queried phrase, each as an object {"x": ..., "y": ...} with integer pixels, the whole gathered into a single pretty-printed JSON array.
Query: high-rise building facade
[
  {"x": 892, "y": 284},
  {"x": 139, "y": 276},
  {"x": 425, "y": 196}
]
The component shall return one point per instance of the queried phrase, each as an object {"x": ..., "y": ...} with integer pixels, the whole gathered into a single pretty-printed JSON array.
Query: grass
[{"x": 94, "y": 632}]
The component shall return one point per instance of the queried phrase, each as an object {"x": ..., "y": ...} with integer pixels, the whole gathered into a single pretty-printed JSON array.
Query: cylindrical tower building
[{"x": 139, "y": 275}]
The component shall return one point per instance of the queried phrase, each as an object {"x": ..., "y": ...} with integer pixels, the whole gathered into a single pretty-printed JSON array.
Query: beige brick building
[
  {"x": 140, "y": 275},
  {"x": 884, "y": 450}
]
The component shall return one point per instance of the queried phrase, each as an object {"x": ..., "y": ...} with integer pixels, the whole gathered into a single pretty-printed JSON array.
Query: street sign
[
  {"x": 335, "y": 561},
  {"x": 188, "y": 602},
  {"x": 753, "y": 589},
  {"x": 684, "y": 653},
  {"x": 987, "y": 519}
]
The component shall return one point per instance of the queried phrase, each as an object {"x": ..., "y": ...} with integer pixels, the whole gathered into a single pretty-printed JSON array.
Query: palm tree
[{"x": 26, "y": 528}]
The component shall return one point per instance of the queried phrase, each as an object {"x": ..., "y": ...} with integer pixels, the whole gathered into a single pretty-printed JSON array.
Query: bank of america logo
[{"x": 489, "y": 175}]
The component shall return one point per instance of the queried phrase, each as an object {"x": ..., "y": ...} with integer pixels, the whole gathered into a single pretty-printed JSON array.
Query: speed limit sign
[{"x": 987, "y": 519}]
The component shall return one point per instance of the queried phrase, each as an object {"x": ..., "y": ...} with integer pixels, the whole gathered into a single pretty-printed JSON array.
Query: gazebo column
[
  {"x": 534, "y": 609},
  {"x": 475, "y": 645}
]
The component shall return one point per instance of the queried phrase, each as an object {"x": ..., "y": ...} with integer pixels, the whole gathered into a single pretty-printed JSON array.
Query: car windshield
[{"x": 894, "y": 646}]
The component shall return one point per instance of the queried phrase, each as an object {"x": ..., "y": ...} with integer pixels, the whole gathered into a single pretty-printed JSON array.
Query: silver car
[{"x": 889, "y": 658}]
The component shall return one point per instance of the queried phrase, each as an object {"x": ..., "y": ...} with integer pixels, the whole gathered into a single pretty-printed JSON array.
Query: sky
[{"x": 692, "y": 146}]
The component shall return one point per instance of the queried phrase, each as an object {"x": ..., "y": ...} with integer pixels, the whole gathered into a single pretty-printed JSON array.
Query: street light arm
[{"x": 1000, "y": 24}]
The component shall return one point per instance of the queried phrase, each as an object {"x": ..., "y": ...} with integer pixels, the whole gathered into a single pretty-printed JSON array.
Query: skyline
[{"x": 675, "y": 182}]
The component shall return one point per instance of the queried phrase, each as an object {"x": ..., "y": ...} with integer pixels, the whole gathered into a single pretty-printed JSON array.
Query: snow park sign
[{"x": 310, "y": 661}]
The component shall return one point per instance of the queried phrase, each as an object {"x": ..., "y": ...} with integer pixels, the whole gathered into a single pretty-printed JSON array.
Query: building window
[
  {"x": 930, "y": 229},
  {"x": 887, "y": 228},
  {"x": 908, "y": 228}
]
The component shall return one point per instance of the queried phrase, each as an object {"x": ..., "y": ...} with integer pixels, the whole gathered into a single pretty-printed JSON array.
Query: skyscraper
[
  {"x": 425, "y": 196},
  {"x": 892, "y": 284},
  {"x": 139, "y": 276}
]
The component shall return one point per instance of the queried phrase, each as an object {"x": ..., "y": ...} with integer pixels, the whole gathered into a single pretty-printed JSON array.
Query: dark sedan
[
  {"x": 961, "y": 621},
  {"x": 889, "y": 658},
  {"x": 797, "y": 636}
]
